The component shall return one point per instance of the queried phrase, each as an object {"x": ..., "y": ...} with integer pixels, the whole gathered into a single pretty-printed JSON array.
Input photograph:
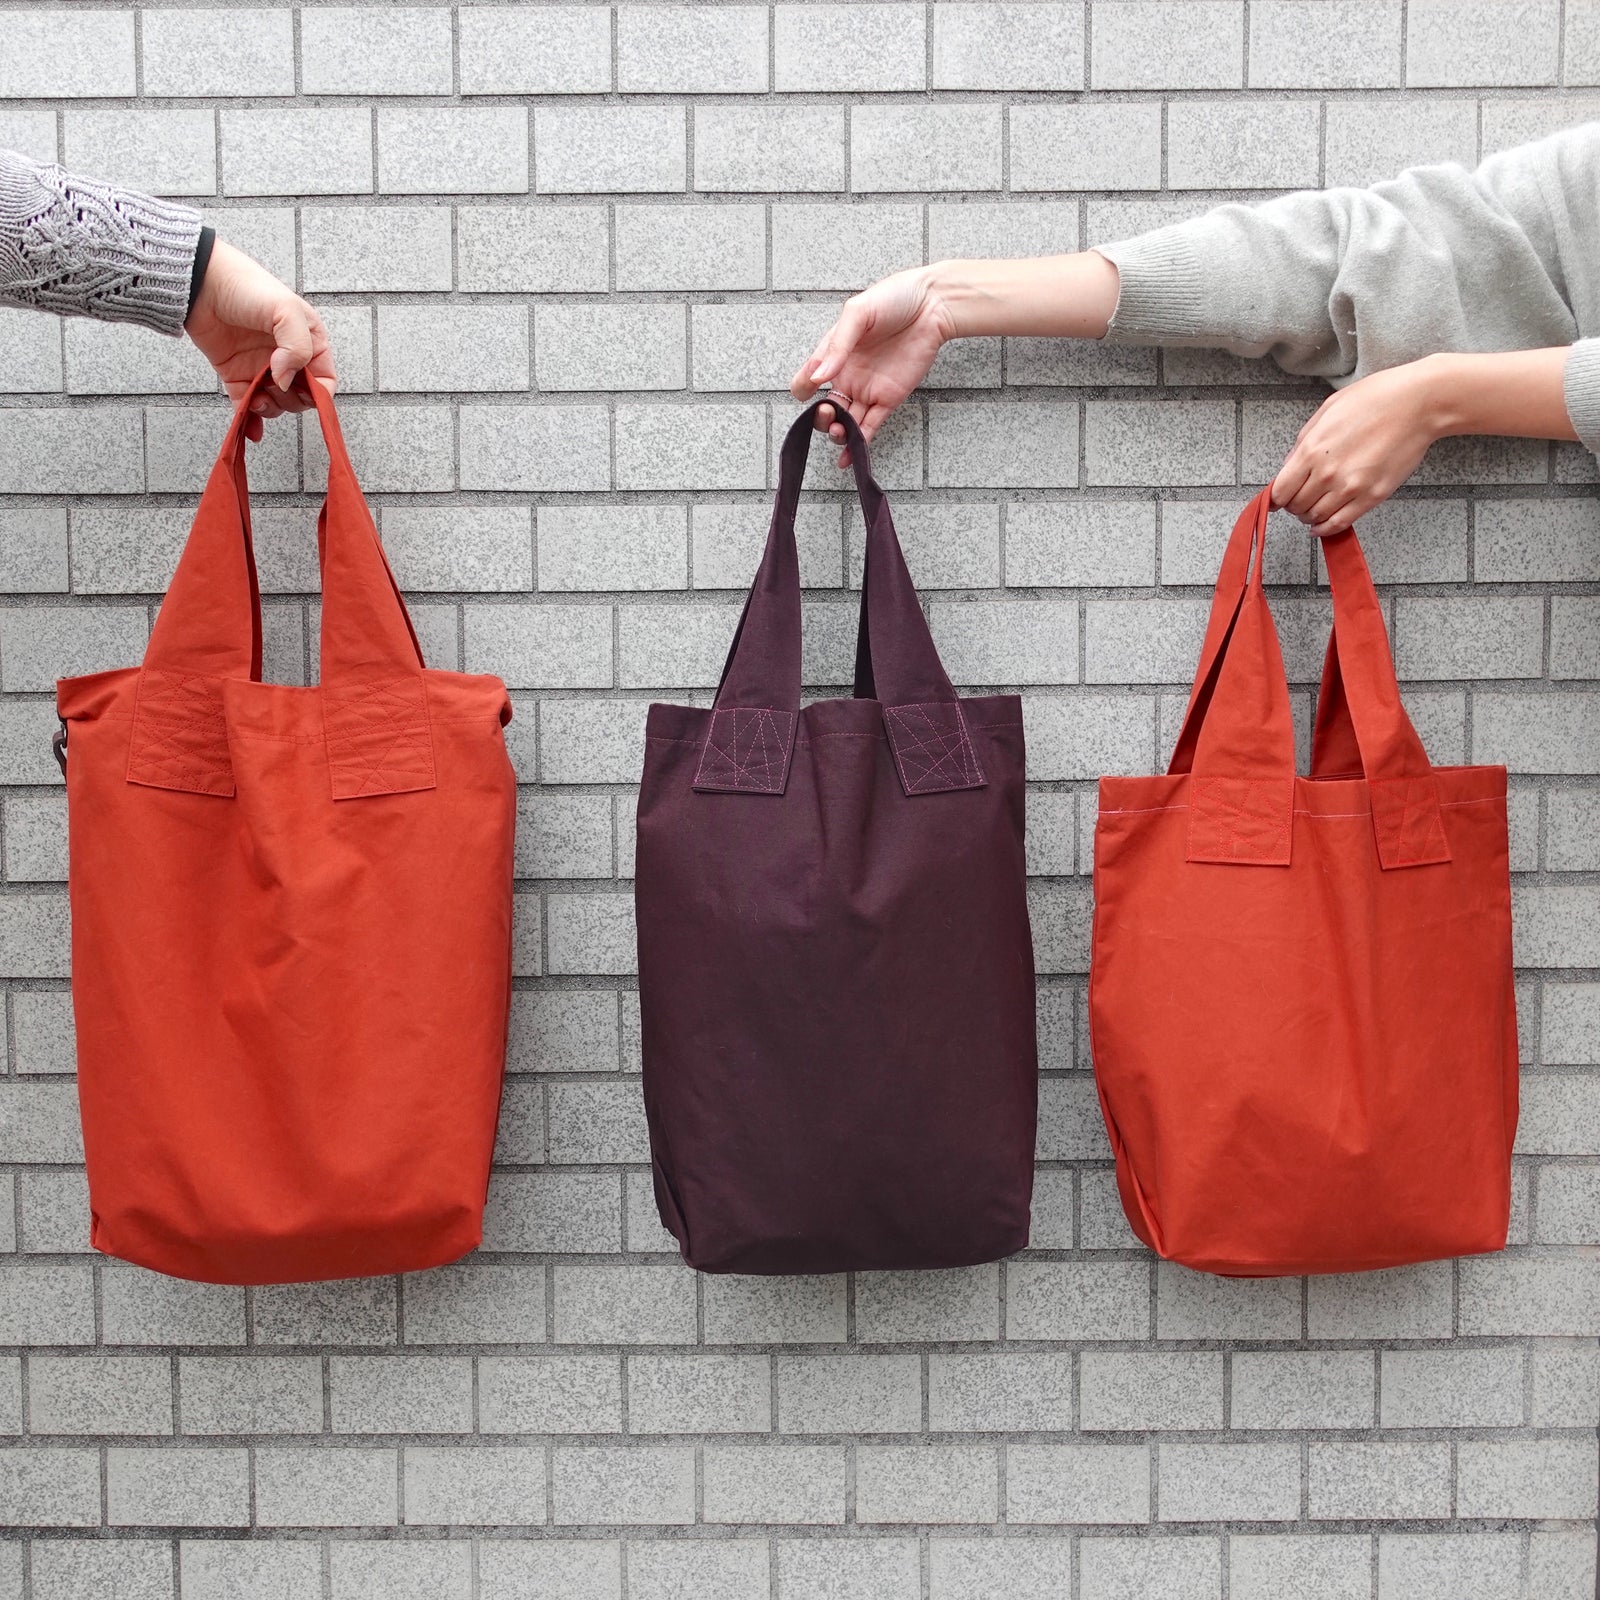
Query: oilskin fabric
[
  {"x": 291, "y": 921},
  {"x": 835, "y": 967},
  {"x": 1300, "y": 997}
]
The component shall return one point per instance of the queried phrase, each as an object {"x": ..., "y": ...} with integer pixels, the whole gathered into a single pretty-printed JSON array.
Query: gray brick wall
[{"x": 571, "y": 252}]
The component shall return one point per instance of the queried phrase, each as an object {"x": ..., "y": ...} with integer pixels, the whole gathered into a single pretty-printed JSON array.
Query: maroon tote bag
[{"x": 835, "y": 966}]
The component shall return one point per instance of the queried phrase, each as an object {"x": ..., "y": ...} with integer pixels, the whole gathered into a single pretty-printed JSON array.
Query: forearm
[
  {"x": 1517, "y": 393},
  {"x": 81, "y": 247},
  {"x": 1069, "y": 297}
]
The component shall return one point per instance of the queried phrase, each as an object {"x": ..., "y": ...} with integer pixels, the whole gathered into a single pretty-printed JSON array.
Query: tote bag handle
[
  {"x": 1237, "y": 740},
  {"x": 750, "y": 741},
  {"x": 208, "y": 633}
]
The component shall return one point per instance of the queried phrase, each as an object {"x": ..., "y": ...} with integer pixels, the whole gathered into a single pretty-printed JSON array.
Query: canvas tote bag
[
  {"x": 835, "y": 967},
  {"x": 1301, "y": 1003},
  {"x": 291, "y": 921}
]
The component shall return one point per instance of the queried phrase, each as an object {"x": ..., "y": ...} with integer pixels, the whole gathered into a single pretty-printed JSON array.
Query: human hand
[
  {"x": 1358, "y": 447},
  {"x": 877, "y": 352},
  {"x": 244, "y": 318}
]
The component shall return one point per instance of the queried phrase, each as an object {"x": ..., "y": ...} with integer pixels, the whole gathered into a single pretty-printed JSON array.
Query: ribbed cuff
[
  {"x": 1159, "y": 293},
  {"x": 1580, "y": 386},
  {"x": 159, "y": 259}
]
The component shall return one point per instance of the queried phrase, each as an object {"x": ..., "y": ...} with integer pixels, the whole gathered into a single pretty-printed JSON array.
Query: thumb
[
  {"x": 291, "y": 329},
  {"x": 841, "y": 340}
]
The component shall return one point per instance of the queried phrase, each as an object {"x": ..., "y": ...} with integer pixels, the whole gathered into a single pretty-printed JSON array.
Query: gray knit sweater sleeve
[
  {"x": 90, "y": 249},
  {"x": 1338, "y": 283}
]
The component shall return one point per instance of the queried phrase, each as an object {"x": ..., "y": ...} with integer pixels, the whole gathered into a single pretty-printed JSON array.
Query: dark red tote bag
[{"x": 835, "y": 966}]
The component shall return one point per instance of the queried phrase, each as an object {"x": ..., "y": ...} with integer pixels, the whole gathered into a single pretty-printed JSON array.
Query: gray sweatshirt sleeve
[
  {"x": 90, "y": 249},
  {"x": 1338, "y": 283}
]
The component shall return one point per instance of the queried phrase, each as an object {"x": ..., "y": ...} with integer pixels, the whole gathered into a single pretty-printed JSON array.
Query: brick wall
[{"x": 570, "y": 254}]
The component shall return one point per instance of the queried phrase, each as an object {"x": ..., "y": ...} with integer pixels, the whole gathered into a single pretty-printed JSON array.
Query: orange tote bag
[
  {"x": 1300, "y": 996},
  {"x": 291, "y": 922}
]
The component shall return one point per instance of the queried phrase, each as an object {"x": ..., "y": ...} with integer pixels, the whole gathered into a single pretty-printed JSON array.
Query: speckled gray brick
[
  {"x": 374, "y": 249},
  {"x": 474, "y": 1487},
  {"x": 312, "y": 150},
  {"x": 181, "y": 444},
  {"x": 534, "y": 447},
  {"x": 550, "y": 1393},
  {"x": 592, "y": 935},
  {"x": 1537, "y": 541},
  {"x": 1557, "y": 733},
  {"x": 1051, "y": 839},
  {"x": 1198, "y": 1305},
  {"x": 1149, "y": 1389},
  {"x": 116, "y": 1569},
  {"x": 355, "y": 1311},
  {"x": 1149, "y": 1569},
  {"x": 906, "y": 1307},
  {"x": 376, "y": 50},
  {"x": 1556, "y": 927},
  {"x": 563, "y": 836},
  {"x": 1390, "y": 1480},
  {"x": 677, "y": 50},
  {"x": 401, "y": 1570},
  {"x": 609, "y": 149},
  {"x": 1015, "y": 227},
  {"x": 325, "y": 1488},
  {"x": 984, "y": 643},
  {"x": 833, "y": 246},
  {"x": 995, "y": 1393},
  {"x": 435, "y": 348},
  {"x": 1573, "y": 650},
  {"x": 475, "y": 1304},
  {"x": 30, "y": 131},
  {"x": 1075, "y": 147},
  {"x": 980, "y": 444},
  {"x": 854, "y": 1393},
  {"x": 1480, "y": 1388},
  {"x": 1078, "y": 1300},
  {"x": 1539, "y": 1295},
  {"x": 1451, "y": 43},
  {"x": 719, "y": 1569},
  {"x": 1003, "y": 45},
  {"x": 1089, "y": 733},
  {"x": 848, "y": 1569},
  {"x": 100, "y": 1394},
  {"x": 550, "y": 1569},
  {"x": 774, "y": 1310},
  {"x": 559, "y": 49},
  {"x": 46, "y": 1302},
  {"x": 554, "y": 1212},
  {"x": 33, "y": 345},
  {"x": 974, "y": 1568},
  {"x": 39, "y": 1123},
  {"x": 44, "y": 450},
  {"x": 1401, "y": 1303},
  {"x": 926, "y": 1483},
  {"x": 744, "y": 148},
  {"x": 1302, "y": 1389},
  {"x": 619, "y": 1304},
  {"x": 1267, "y": 1566},
  {"x": 400, "y": 1394},
  {"x": 1558, "y": 1114},
  {"x": 1566, "y": 1385},
  {"x": 591, "y": 741},
  {"x": 1243, "y": 145},
  {"x": 49, "y": 1488},
  {"x": 789, "y": 1484},
  {"x": 1143, "y": 641},
  {"x": 1424, "y": 1566},
  {"x": 699, "y": 1394},
  {"x": 250, "y": 1394},
  {"x": 186, "y": 1487},
  {"x": 1071, "y": 1127},
  {"x": 214, "y": 1569},
  {"x": 680, "y": 248},
  {"x": 696, "y": 447},
  {"x": 56, "y": 54},
  {"x": 162, "y": 152},
  {"x": 849, "y": 47},
  {"x": 1080, "y": 543},
  {"x": 1478, "y": 637},
  {"x": 609, "y": 347},
  {"x": 1348, "y": 44},
  {"x": 11, "y": 1392},
  {"x": 1167, "y": 44},
  {"x": 537, "y": 249},
  {"x": 1139, "y": 442},
  {"x": 903, "y": 148},
  {"x": 607, "y": 1485},
  {"x": 597, "y": 1123},
  {"x": 1371, "y": 140},
  {"x": 1229, "y": 1482},
  {"x": 1569, "y": 1204},
  {"x": 219, "y": 52},
  {"x": 1077, "y": 1483},
  {"x": 754, "y": 347}
]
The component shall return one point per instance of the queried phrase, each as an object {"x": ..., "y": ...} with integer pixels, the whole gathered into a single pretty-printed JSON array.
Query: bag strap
[
  {"x": 208, "y": 633},
  {"x": 1237, "y": 740},
  {"x": 750, "y": 740}
]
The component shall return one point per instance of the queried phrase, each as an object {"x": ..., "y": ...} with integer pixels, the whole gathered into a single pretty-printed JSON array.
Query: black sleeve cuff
[{"x": 197, "y": 273}]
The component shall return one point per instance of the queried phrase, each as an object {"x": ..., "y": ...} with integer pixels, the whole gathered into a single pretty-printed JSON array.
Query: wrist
[{"x": 1441, "y": 393}]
